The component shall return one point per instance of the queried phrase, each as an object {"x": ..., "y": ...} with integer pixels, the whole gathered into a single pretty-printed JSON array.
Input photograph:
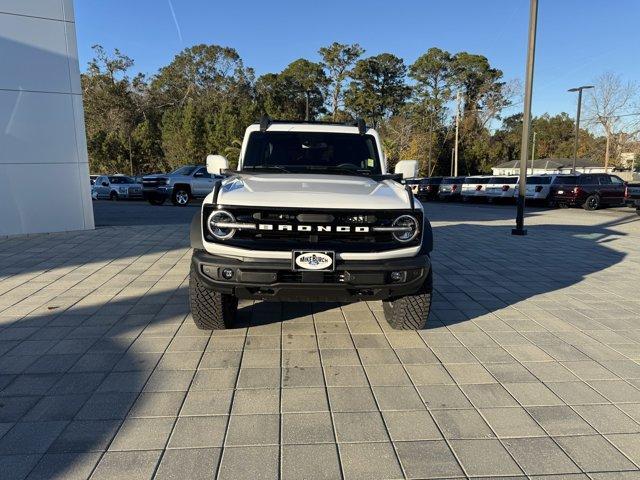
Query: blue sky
[{"x": 577, "y": 39}]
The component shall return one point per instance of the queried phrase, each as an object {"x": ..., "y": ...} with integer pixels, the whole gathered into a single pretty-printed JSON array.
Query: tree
[
  {"x": 337, "y": 60},
  {"x": 308, "y": 79},
  {"x": 207, "y": 98},
  {"x": 201, "y": 70},
  {"x": 378, "y": 89},
  {"x": 608, "y": 101},
  {"x": 484, "y": 97},
  {"x": 432, "y": 73},
  {"x": 111, "y": 113}
]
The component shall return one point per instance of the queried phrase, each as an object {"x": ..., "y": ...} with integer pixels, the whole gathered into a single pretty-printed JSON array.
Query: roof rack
[{"x": 266, "y": 121}]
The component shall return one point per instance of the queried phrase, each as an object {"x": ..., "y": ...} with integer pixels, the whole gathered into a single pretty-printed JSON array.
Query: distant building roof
[{"x": 552, "y": 163}]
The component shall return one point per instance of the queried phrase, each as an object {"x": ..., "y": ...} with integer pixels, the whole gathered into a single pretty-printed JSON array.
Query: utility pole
[
  {"x": 455, "y": 172},
  {"x": 130, "y": 156},
  {"x": 575, "y": 141},
  {"x": 533, "y": 150},
  {"x": 606, "y": 151},
  {"x": 430, "y": 144},
  {"x": 526, "y": 121},
  {"x": 452, "y": 159}
]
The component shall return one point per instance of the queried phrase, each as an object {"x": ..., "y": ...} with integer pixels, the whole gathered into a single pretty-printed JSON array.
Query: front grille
[
  {"x": 152, "y": 183},
  {"x": 355, "y": 240}
]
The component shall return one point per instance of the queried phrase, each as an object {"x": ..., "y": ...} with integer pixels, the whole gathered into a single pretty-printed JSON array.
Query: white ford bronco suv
[{"x": 311, "y": 214}]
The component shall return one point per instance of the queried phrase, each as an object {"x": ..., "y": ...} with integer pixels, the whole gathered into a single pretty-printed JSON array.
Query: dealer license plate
[{"x": 313, "y": 260}]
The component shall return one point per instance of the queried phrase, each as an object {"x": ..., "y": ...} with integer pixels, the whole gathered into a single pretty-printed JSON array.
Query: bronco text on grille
[
  {"x": 348, "y": 231},
  {"x": 261, "y": 235}
]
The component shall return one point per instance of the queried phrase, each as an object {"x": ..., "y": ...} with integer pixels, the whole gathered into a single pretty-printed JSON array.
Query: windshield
[
  {"x": 564, "y": 180},
  {"x": 316, "y": 151},
  {"x": 121, "y": 180},
  {"x": 452, "y": 181},
  {"x": 503, "y": 180},
  {"x": 184, "y": 171},
  {"x": 539, "y": 180}
]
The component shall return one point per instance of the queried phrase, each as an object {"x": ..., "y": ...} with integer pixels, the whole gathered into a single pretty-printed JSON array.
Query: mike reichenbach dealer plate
[{"x": 310, "y": 260}]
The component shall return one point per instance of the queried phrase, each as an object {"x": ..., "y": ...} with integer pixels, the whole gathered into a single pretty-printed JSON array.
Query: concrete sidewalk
[{"x": 529, "y": 366}]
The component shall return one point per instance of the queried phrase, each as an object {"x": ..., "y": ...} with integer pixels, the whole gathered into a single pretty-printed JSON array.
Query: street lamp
[
  {"x": 575, "y": 142},
  {"x": 526, "y": 120}
]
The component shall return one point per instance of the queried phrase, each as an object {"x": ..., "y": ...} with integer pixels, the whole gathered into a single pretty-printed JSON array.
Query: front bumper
[
  {"x": 268, "y": 279},
  {"x": 568, "y": 200},
  {"x": 157, "y": 192}
]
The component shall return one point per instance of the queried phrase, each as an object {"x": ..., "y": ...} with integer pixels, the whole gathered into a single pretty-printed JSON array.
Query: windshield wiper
[
  {"x": 266, "y": 167},
  {"x": 336, "y": 168}
]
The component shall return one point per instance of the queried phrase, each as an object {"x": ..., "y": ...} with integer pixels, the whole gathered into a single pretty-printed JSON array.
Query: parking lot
[{"x": 529, "y": 367}]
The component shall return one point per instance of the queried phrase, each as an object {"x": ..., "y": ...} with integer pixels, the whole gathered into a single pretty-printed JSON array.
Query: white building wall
[{"x": 44, "y": 171}]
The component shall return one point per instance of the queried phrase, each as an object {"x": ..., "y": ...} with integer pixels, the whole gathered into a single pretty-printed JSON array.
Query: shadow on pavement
[{"x": 77, "y": 370}]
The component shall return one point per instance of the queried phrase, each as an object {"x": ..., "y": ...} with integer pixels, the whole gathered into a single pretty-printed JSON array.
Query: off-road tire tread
[
  {"x": 210, "y": 310},
  {"x": 410, "y": 312}
]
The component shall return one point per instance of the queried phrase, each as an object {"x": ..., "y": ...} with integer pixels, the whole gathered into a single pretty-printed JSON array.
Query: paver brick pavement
[{"x": 530, "y": 364}]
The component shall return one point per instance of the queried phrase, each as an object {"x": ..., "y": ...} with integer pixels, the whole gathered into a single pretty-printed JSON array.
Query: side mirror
[
  {"x": 407, "y": 168},
  {"x": 216, "y": 164}
]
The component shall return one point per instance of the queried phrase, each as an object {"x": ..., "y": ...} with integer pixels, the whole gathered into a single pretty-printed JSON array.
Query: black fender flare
[
  {"x": 195, "y": 232},
  {"x": 427, "y": 237}
]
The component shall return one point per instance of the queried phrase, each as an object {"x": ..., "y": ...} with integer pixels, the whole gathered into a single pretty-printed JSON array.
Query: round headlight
[
  {"x": 219, "y": 216},
  {"x": 410, "y": 228}
]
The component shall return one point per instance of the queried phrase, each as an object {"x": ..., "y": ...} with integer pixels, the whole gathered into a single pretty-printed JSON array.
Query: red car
[{"x": 588, "y": 190}]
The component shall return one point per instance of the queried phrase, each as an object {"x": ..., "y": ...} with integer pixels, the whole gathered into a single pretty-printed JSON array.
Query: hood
[
  {"x": 155, "y": 176},
  {"x": 312, "y": 190}
]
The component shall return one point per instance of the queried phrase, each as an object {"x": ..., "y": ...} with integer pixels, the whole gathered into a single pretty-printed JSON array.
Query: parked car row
[{"x": 590, "y": 190}]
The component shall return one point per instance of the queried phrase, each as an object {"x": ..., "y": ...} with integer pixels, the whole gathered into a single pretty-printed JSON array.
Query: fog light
[
  {"x": 398, "y": 276},
  {"x": 227, "y": 273},
  {"x": 209, "y": 271}
]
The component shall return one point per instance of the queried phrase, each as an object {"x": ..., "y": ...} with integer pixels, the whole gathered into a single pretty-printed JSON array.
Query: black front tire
[
  {"x": 410, "y": 312},
  {"x": 210, "y": 310},
  {"x": 113, "y": 196},
  {"x": 592, "y": 203}
]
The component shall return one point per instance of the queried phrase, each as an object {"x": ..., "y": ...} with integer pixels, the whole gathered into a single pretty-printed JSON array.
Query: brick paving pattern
[{"x": 529, "y": 367}]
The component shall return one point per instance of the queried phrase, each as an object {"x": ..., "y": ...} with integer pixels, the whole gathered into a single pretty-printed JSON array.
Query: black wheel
[
  {"x": 411, "y": 311},
  {"x": 180, "y": 197},
  {"x": 210, "y": 310},
  {"x": 156, "y": 200},
  {"x": 113, "y": 196},
  {"x": 638, "y": 211},
  {"x": 592, "y": 202}
]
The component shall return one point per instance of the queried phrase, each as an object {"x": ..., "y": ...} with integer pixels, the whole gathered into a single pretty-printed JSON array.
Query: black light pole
[
  {"x": 575, "y": 141},
  {"x": 528, "y": 89}
]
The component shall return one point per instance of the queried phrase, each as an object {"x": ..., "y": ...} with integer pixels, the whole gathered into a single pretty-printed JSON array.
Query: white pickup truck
[{"x": 311, "y": 214}]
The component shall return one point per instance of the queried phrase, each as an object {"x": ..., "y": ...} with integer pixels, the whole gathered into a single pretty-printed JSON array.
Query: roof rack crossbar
[{"x": 266, "y": 121}]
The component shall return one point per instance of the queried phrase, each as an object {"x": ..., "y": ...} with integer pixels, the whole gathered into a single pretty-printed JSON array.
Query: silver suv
[
  {"x": 115, "y": 187},
  {"x": 181, "y": 185}
]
